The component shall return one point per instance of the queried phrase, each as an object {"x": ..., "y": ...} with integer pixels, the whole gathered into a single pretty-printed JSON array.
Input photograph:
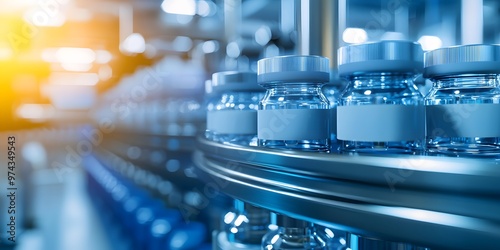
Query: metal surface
[
  {"x": 234, "y": 80},
  {"x": 293, "y": 63},
  {"x": 464, "y": 59},
  {"x": 383, "y": 56},
  {"x": 435, "y": 202},
  {"x": 463, "y": 53},
  {"x": 293, "y": 69},
  {"x": 383, "y": 50},
  {"x": 317, "y": 28}
]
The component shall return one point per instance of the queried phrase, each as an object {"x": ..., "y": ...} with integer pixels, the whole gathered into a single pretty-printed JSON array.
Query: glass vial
[
  {"x": 463, "y": 107},
  {"x": 381, "y": 110},
  {"x": 357, "y": 242},
  {"x": 294, "y": 112},
  {"x": 294, "y": 234},
  {"x": 332, "y": 91},
  {"x": 243, "y": 228},
  {"x": 337, "y": 239},
  {"x": 232, "y": 117}
]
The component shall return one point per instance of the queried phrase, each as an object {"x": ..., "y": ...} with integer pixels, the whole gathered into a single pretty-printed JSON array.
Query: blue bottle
[
  {"x": 463, "y": 106},
  {"x": 336, "y": 239},
  {"x": 232, "y": 117},
  {"x": 381, "y": 109},
  {"x": 332, "y": 91},
  {"x": 186, "y": 236},
  {"x": 164, "y": 224},
  {"x": 294, "y": 234},
  {"x": 244, "y": 228},
  {"x": 294, "y": 112}
]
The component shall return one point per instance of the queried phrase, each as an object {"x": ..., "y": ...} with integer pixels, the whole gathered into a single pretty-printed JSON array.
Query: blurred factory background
[
  {"x": 59, "y": 57},
  {"x": 124, "y": 81}
]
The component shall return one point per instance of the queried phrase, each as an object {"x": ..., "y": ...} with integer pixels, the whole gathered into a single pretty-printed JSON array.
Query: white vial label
[
  {"x": 463, "y": 120},
  {"x": 333, "y": 120},
  {"x": 232, "y": 121},
  {"x": 380, "y": 123},
  {"x": 293, "y": 124}
]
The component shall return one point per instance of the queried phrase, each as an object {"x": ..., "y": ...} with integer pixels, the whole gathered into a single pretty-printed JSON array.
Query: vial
[
  {"x": 332, "y": 91},
  {"x": 294, "y": 112},
  {"x": 244, "y": 227},
  {"x": 336, "y": 239},
  {"x": 232, "y": 117},
  {"x": 381, "y": 109},
  {"x": 186, "y": 236},
  {"x": 162, "y": 226},
  {"x": 294, "y": 234},
  {"x": 463, "y": 106}
]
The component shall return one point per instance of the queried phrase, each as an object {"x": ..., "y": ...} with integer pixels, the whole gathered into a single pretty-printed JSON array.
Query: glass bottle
[
  {"x": 232, "y": 118},
  {"x": 162, "y": 226},
  {"x": 463, "y": 106},
  {"x": 294, "y": 234},
  {"x": 381, "y": 110},
  {"x": 337, "y": 239},
  {"x": 332, "y": 91},
  {"x": 294, "y": 112},
  {"x": 243, "y": 228}
]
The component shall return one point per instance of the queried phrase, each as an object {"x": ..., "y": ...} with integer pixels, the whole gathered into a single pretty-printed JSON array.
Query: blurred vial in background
[
  {"x": 356, "y": 242},
  {"x": 232, "y": 118},
  {"x": 160, "y": 229},
  {"x": 294, "y": 112},
  {"x": 186, "y": 236},
  {"x": 294, "y": 234},
  {"x": 332, "y": 91},
  {"x": 336, "y": 239},
  {"x": 381, "y": 110},
  {"x": 243, "y": 228},
  {"x": 164, "y": 99},
  {"x": 462, "y": 107}
]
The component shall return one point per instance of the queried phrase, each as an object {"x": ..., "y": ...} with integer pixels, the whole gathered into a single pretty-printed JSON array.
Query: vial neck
[
  {"x": 295, "y": 88},
  {"x": 468, "y": 81},
  {"x": 291, "y": 226},
  {"x": 231, "y": 96},
  {"x": 255, "y": 215},
  {"x": 239, "y": 93},
  {"x": 294, "y": 231},
  {"x": 382, "y": 80}
]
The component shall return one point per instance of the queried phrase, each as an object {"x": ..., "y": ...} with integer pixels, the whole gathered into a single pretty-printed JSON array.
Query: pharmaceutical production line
[
  {"x": 391, "y": 197},
  {"x": 250, "y": 124}
]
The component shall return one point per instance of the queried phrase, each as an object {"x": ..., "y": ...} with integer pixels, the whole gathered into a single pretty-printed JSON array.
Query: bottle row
[
  {"x": 135, "y": 219},
  {"x": 254, "y": 228},
  {"x": 380, "y": 110}
]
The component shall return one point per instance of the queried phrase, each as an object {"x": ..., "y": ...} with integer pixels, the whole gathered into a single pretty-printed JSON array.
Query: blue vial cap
[
  {"x": 206, "y": 246},
  {"x": 290, "y": 69},
  {"x": 161, "y": 227},
  {"x": 383, "y": 56},
  {"x": 186, "y": 236},
  {"x": 235, "y": 81},
  {"x": 464, "y": 59},
  {"x": 165, "y": 222}
]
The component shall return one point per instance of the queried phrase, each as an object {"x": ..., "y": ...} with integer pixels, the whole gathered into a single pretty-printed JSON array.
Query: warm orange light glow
[
  {"x": 6, "y": 53},
  {"x": 67, "y": 78},
  {"x": 76, "y": 67},
  {"x": 75, "y": 55}
]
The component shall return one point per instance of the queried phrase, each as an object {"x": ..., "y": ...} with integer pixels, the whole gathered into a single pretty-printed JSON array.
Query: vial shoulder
[
  {"x": 404, "y": 96},
  {"x": 463, "y": 95}
]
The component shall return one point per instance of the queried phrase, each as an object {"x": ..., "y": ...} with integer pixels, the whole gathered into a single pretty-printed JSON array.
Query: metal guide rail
[{"x": 437, "y": 202}]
